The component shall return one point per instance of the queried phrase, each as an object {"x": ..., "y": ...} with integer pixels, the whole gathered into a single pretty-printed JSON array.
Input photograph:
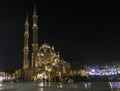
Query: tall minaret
[
  {"x": 35, "y": 38},
  {"x": 26, "y": 48}
]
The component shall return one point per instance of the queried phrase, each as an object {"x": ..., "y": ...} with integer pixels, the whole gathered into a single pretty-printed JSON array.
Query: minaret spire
[
  {"x": 35, "y": 37},
  {"x": 34, "y": 11},
  {"x": 35, "y": 26},
  {"x": 26, "y": 21},
  {"x": 26, "y": 47}
]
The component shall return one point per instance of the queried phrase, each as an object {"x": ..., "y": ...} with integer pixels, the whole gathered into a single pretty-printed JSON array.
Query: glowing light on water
[
  {"x": 87, "y": 85},
  {"x": 41, "y": 84},
  {"x": 115, "y": 85},
  {"x": 41, "y": 89},
  {"x": 60, "y": 85}
]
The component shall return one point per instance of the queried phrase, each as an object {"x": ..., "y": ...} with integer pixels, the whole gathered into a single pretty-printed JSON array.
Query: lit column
[{"x": 26, "y": 48}]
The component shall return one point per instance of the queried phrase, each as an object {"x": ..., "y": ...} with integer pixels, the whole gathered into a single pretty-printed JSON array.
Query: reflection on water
[
  {"x": 44, "y": 84},
  {"x": 41, "y": 84},
  {"x": 115, "y": 85},
  {"x": 60, "y": 85},
  {"x": 87, "y": 85},
  {"x": 112, "y": 86},
  {"x": 41, "y": 89},
  {"x": 54, "y": 86},
  {"x": 1, "y": 86},
  {"x": 6, "y": 85}
]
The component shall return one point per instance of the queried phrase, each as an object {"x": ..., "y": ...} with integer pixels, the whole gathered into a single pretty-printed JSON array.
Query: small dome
[{"x": 45, "y": 45}]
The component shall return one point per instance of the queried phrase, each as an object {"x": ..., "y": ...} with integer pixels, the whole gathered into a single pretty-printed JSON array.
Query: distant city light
[{"x": 105, "y": 71}]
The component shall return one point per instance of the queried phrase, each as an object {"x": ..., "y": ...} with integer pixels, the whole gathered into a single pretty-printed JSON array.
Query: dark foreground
[{"x": 56, "y": 86}]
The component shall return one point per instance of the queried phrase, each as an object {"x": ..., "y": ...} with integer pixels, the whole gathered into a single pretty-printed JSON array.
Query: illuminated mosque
[{"x": 45, "y": 63}]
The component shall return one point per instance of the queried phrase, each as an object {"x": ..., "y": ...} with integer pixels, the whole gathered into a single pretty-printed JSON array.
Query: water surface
[{"x": 54, "y": 86}]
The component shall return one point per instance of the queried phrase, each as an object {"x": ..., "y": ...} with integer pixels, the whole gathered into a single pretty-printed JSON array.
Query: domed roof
[{"x": 45, "y": 45}]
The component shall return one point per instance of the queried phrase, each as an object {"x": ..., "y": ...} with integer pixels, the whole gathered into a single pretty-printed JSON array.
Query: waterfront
[{"x": 54, "y": 86}]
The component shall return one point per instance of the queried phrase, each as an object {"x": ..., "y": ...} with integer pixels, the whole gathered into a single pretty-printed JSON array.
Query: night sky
[{"x": 83, "y": 33}]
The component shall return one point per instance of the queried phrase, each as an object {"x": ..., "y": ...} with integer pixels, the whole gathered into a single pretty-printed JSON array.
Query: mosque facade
[{"x": 45, "y": 62}]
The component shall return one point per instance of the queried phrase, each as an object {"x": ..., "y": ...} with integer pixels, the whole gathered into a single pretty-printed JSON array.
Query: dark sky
[{"x": 83, "y": 33}]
